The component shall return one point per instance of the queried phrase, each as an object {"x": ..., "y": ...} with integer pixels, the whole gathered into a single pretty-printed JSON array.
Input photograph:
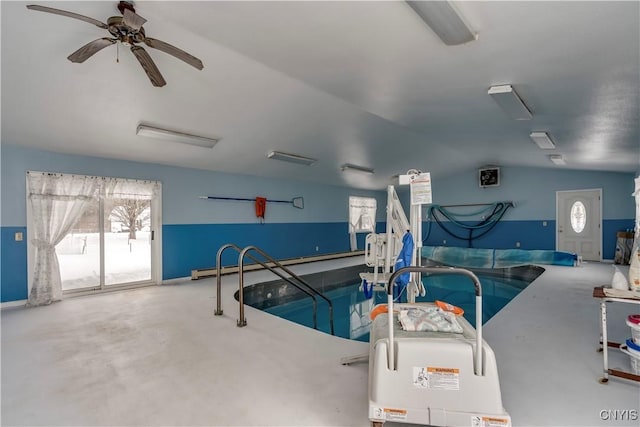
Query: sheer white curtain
[
  {"x": 57, "y": 202},
  {"x": 132, "y": 189}
]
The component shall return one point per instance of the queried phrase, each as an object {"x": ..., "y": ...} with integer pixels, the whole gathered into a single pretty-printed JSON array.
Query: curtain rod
[{"x": 61, "y": 174}]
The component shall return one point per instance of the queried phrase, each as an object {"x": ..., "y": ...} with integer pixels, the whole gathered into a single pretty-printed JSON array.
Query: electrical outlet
[
  {"x": 317, "y": 248},
  {"x": 444, "y": 242},
  {"x": 18, "y": 236},
  {"x": 517, "y": 244},
  {"x": 544, "y": 223}
]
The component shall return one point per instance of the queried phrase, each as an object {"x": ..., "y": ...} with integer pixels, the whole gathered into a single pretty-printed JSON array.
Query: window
[
  {"x": 362, "y": 217},
  {"x": 578, "y": 217},
  {"x": 362, "y": 214}
]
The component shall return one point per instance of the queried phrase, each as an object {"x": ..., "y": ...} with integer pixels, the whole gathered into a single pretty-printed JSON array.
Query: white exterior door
[{"x": 579, "y": 223}]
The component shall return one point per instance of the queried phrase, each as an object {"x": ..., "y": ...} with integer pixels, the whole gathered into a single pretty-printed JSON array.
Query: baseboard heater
[{"x": 231, "y": 269}]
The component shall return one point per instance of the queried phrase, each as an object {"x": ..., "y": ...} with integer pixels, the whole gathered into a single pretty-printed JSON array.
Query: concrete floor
[{"x": 158, "y": 356}]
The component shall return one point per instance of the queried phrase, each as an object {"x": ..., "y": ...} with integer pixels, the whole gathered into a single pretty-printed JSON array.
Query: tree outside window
[{"x": 132, "y": 214}]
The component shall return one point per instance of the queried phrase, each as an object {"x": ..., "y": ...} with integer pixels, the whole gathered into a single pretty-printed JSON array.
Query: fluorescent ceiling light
[
  {"x": 348, "y": 167},
  {"x": 169, "y": 135},
  {"x": 443, "y": 19},
  {"x": 543, "y": 140},
  {"x": 557, "y": 159},
  {"x": 510, "y": 102},
  {"x": 293, "y": 158}
]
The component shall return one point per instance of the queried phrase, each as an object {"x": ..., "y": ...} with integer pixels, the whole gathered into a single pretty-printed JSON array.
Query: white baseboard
[
  {"x": 208, "y": 272},
  {"x": 9, "y": 304},
  {"x": 176, "y": 281}
]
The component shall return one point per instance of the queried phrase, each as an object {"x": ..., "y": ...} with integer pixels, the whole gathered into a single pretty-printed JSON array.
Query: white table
[{"x": 599, "y": 293}]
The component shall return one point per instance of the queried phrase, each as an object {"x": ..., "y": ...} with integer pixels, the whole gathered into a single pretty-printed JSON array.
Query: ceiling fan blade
[
  {"x": 149, "y": 66},
  {"x": 89, "y": 49},
  {"x": 132, "y": 19},
  {"x": 67, "y": 14},
  {"x": 172, "y": 50}
]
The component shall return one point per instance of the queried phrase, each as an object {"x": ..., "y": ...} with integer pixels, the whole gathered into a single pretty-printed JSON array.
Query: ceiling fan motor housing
[{"x": 123, "y": 32}]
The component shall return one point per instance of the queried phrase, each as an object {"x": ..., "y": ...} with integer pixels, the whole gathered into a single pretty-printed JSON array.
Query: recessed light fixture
[
  {"x": 348, "y": 167},
  {"x": 443, "y": 19},
  {"x": 557, "y": 159},
  {"x": 292, "y": 158},
  {"x": 511, "y": 103},
  {"x": 173, "y": 136},
  {"x": 543, "y": 140}
]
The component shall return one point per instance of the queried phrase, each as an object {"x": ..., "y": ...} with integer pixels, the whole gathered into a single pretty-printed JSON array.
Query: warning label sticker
[
  {"x": 391, "y": 414},
  {"x": 388, "y": 414},
  {"x": 436, "y": 378},
  {"x": 421, "y": 189},
  {"x": 484, "y": 421}
]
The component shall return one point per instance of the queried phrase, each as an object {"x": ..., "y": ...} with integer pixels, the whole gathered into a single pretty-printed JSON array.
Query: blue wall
[
  {"x": 13, "y": 272},
  {"x": 533, "y": 192},
  {"x": 530, "y": 234},
  {"x": 193, "y": 229},
  {"x": 196, "y": 245}
]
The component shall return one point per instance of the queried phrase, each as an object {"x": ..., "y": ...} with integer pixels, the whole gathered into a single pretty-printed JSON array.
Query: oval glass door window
[{"x": 578, "y": 217}]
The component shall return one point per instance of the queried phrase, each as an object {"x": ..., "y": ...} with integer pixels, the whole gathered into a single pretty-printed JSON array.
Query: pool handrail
[
  {"x": 219, "y": 311},
  {"x": 478, "y": 369},
  {"x": 242, "y": 321},
  {"x": 222, "y": 248}
]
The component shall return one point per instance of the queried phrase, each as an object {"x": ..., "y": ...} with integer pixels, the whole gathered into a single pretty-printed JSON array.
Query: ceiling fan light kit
[{"x": 126, "y": 29}]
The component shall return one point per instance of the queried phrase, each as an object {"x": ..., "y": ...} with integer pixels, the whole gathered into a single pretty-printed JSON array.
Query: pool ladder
[{"x": 301, "y": 284}]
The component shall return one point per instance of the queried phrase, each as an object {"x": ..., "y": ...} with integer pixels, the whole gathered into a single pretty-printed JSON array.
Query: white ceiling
[{"x": 358, "y": 82}]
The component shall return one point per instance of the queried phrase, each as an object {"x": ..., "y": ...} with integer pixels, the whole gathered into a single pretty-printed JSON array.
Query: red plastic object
[{"x": 634, "y": 318}]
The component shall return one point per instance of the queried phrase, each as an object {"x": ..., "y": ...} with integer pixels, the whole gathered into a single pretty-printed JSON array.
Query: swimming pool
[{"x": 351, "y": 308}]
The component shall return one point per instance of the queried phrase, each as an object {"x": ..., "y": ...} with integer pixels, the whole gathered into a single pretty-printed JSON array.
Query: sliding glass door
[{"x": 115, "y": 240}]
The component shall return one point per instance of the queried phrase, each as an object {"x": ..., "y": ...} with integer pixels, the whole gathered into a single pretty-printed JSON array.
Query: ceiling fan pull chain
[{"x": 117, "y": 52}]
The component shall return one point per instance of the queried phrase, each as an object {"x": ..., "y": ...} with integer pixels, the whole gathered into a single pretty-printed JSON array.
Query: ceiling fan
[{"x": 126, "y": 29}]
